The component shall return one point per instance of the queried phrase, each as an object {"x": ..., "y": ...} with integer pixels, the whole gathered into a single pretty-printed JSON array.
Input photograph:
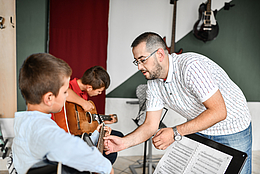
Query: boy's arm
[{"x": 74, "y": 98}]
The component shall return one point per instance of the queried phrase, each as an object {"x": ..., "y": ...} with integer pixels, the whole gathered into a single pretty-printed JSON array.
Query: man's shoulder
[
  {"x": 183, "y": 62},
  {"x": 186, "y": 59}
]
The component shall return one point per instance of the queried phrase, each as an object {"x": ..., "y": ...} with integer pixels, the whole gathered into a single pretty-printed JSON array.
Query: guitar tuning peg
[
  {"x": 2, "y": 22},
  {"x": 227, "y": 6}
]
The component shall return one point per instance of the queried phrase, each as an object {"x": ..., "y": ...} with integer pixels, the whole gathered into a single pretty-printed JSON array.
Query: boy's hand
[
  {"x": 87, "y": 106},
  {"x": 99, "y": 127},
  {"x": 112, "y": 171},
  {"x": 113, "y": 120},
  {"x": 106, "y": 128}
]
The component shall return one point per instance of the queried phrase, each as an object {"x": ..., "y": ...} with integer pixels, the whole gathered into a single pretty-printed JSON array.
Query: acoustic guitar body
[
  {"x": 76, "y": 121},
  {"x": 206, "y": 28},
  {"x": 80, "y": 121}
]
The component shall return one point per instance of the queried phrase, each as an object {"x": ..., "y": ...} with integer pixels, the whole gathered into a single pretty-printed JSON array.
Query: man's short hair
[
  {"x": 97, "y": 77},
  {"x": 153, "y": 41},
  {"x": 42, "y": 73}
]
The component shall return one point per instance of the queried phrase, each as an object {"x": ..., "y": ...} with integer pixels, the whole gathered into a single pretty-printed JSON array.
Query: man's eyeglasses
[{"x": 141, "y": 61}]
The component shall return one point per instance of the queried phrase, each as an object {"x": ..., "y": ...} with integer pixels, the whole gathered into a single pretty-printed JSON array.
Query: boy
[
  {"x": 93, "y": 82},
  {"x": 44, "y": 82}
]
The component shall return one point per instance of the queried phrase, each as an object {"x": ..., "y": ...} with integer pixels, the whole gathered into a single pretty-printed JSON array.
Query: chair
[
  {"x": 10, "y": 165},
  {"x": 3, "y": 143},
  {"x": 139, "y": 120},
  {"x": 44, "y": 167}
]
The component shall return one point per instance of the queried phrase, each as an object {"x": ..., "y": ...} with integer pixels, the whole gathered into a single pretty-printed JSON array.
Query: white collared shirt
[{"x": 191, "y": 80}]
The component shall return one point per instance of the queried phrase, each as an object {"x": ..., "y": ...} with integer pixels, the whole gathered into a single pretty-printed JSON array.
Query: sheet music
[{"x": 191, "y": 157}]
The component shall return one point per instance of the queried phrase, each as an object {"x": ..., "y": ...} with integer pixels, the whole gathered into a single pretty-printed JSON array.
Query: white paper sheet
[{"x": 191, "y": 157}]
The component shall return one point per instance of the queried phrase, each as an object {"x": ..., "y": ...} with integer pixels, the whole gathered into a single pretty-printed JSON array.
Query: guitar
[
  {"x": 75, "y": 120},
  {"x": 206, "y": 28},
  {"x": 171, "y": 48}
]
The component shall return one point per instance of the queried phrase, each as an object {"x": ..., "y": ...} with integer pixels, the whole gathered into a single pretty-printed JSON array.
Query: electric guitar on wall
[
  {"x": 206, "y": 28},
  {"x": 172, "y": 47}
]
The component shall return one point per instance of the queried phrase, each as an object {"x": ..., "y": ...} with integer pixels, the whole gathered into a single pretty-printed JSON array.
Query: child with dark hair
[
  {"x": 93, "y": 82},
  {"x": 44, "y": 82}
]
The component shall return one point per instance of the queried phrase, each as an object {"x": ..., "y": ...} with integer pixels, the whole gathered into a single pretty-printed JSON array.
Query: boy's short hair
[
  {"x": 97, "y": 77},
  {"x": 42, "y": 73}
]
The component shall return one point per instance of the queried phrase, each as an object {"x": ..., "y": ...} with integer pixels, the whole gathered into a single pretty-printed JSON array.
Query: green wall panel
[
  {"x": 31, "y": 34},
  {"x": 236, "y": 48}
]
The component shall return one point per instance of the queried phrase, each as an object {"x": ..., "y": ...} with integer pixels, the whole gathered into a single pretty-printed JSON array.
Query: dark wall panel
[
  {"x": 31, "y": 34},
  {"x": 236, "y": 48}
]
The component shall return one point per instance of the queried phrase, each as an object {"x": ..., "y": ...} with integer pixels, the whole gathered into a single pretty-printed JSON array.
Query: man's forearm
[{"x": 145, "y": 131}]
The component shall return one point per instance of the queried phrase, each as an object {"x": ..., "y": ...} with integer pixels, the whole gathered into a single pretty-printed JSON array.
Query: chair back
[
  {"x": 141, "y": 95},
  {"x": 10, "y": 164}
]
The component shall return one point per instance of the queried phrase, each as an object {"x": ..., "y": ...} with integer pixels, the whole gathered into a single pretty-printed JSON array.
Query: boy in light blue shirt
[{"x": 44, "y": 81}]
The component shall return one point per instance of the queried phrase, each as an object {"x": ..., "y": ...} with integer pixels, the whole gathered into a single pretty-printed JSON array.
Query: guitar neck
[
  {"x": 106, "y": 117},
  {"x": 173, "y": 27},
  {"x": 209, "y": 6},
  {"x": 100, "y": 144}
]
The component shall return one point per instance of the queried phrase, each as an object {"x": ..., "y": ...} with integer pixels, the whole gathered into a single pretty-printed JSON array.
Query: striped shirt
[{"x": 192, "y": 79}]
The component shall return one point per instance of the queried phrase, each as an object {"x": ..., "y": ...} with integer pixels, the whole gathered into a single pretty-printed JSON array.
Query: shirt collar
[{"x": 170, "y": 71}]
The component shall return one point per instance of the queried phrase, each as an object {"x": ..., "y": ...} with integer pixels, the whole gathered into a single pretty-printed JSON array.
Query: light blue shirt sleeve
[
  {"x": 94, "y": 137},
  {"x": 37, "y": 136}
]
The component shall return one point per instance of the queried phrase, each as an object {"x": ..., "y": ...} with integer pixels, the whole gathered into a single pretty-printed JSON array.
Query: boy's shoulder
[{"x": 34, "y": 113}]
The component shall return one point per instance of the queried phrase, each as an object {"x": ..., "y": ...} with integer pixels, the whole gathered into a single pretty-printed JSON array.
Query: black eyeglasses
[{"x": 142, "y": 61}]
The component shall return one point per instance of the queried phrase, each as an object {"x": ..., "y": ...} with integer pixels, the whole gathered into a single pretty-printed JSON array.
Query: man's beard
[{"x": 155, "y": 74}]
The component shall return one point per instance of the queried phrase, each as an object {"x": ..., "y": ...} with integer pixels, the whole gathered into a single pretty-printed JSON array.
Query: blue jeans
[{"x": 241, "y": 141}]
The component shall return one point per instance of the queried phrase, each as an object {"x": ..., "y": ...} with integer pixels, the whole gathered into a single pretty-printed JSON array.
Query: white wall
[{"x": 130, "y": 18}]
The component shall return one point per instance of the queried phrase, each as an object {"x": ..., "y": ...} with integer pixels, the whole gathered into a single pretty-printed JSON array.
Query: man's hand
[
  {"x": 87, "y": 106},
  {"x": 163, "y": 138},
  {"x": 113, "y": 144}
]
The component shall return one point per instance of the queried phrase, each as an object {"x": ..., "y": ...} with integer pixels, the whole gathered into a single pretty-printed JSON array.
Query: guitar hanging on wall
[
  {"x": 206, "y": 28},
  {"x": 171, "y": 48}
]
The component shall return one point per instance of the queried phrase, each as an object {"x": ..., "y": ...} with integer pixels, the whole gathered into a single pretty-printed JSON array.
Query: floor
[{"x": 121, "y": 166}]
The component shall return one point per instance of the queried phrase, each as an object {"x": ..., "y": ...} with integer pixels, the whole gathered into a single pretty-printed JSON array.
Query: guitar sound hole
[{"x": 89, "y": 117}]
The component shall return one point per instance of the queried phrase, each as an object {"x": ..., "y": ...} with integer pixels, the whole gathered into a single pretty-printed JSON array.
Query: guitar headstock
[{"x": 114, "y": 118}]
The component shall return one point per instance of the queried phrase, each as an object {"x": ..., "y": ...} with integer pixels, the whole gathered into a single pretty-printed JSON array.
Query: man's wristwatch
[{"x": 177, "y": 136}]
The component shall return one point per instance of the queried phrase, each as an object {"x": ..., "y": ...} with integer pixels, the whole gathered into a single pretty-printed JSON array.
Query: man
[{"x": 195, "y": 87}]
